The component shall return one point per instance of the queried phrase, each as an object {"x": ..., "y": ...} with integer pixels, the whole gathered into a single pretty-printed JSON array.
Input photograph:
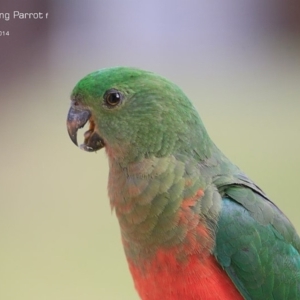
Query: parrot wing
[{"x": 257, "y": 245}]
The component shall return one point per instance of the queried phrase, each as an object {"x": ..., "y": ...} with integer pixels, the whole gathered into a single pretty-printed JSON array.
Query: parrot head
[{"x": 135, "y": 114}]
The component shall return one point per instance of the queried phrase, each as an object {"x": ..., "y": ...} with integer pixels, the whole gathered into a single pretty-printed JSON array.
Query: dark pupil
[{"x": 114, "y": 98}]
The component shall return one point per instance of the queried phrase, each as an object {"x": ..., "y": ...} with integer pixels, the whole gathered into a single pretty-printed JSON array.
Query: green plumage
[
  {"x": 142, "y": 123},
  {"x": 172, "y": 188},
  {"x": 257, "y": 246}
]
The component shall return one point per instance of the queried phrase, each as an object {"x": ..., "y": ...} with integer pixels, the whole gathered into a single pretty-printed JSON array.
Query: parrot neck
[{"x": 161, "y": 202}]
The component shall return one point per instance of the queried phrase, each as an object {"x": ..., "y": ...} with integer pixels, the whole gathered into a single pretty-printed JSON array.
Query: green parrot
[{"x": 193, "y": 225}]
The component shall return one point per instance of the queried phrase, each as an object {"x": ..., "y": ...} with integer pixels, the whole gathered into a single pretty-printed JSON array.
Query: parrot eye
[{"x": 112, "y": 98}]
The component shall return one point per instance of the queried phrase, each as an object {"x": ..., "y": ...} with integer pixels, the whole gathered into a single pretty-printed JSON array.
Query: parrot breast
[
  {"x": 159, "y": 203},
  {"x": 196, "y": 277}
]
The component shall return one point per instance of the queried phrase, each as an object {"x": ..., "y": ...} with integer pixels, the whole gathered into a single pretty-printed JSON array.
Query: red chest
[{"x": 166, "y": 278}]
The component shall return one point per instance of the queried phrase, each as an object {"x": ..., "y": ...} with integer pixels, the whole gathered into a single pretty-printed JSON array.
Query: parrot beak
[{"x": 77, "y": 118}]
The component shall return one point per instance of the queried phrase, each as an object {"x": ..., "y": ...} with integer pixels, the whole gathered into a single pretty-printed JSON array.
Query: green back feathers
[{"x": 258, "y": 246}]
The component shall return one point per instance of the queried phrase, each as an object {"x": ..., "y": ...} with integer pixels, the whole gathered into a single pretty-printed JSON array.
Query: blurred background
[{"x": 239, "y": 62}]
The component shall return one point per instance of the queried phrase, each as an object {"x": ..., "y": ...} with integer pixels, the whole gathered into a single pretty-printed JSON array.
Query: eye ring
[{"x": 112, "y": 98}]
